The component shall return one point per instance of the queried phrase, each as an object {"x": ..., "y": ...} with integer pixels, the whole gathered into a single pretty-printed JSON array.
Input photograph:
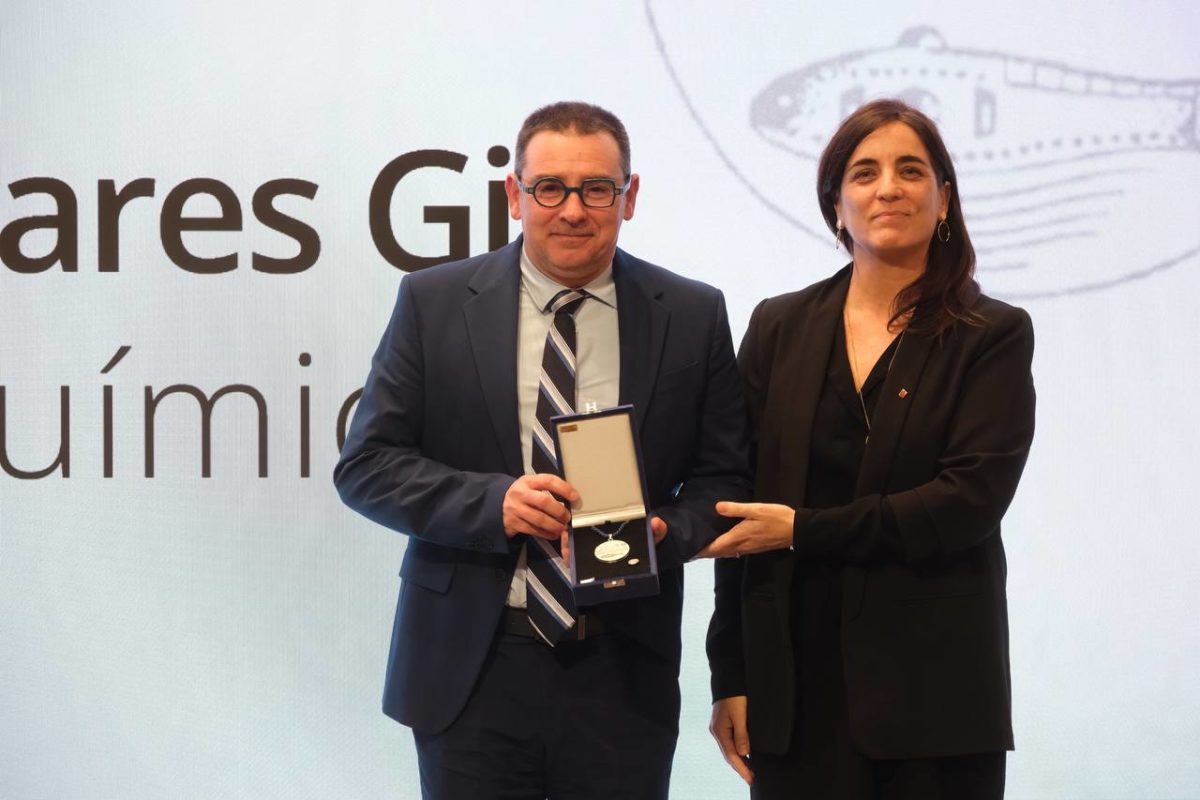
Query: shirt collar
[{"x": 542, "y": 288}]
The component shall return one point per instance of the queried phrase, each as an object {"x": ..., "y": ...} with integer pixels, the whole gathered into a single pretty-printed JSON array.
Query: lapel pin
[{"x": 903, "y": 393}]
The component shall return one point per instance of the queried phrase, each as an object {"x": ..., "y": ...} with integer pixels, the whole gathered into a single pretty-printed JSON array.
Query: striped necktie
[{"x": 549, "y": 602}]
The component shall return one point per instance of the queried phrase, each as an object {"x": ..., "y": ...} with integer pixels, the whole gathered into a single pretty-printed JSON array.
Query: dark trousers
[
  {"x": 970, "y": 777},
  {"x": 591, "y": 719}
]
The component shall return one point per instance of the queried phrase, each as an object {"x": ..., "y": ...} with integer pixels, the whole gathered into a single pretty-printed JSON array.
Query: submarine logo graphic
[{"x": 1068, "y": 176}]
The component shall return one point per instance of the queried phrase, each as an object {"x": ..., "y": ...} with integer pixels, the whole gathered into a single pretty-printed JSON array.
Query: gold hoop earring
[{"x": 943, "y": 230}]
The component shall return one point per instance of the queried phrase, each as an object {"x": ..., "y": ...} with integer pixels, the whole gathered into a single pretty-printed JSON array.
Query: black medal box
[{"x": 612, "y": 546}]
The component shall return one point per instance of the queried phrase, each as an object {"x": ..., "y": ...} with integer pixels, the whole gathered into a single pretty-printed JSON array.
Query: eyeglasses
[{"x": 593, "y": 192}]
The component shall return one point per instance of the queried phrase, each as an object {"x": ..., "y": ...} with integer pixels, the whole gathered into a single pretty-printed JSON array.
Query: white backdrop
[{"x": 225, "y": 636}]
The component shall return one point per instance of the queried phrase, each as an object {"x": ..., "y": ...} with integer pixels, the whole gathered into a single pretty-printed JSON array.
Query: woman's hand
[
  {"x": 765, "y": 526},
  {"x": 728, "y": 727}
]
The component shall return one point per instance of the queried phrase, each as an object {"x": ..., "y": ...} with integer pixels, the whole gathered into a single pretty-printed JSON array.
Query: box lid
[{"x": 598, "y": 456}]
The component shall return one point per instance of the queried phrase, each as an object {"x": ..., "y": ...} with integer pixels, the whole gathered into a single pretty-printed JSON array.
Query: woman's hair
[{"x": 946, "y": 290}]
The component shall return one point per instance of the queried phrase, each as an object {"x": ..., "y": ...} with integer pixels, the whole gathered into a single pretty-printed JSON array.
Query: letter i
[
  {"x": 497, "y": 201},
  {"x": 305, "y": 360},
  {"x": 108, "y": 410}
]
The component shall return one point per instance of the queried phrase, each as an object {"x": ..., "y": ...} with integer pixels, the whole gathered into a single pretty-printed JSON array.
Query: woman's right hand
[
  {"x": 728, "y": 727},
  {"x": 764, "y": 526}
]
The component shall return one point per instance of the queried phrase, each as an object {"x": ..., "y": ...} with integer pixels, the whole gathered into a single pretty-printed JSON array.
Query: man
[{"x": 446, "y": 447}]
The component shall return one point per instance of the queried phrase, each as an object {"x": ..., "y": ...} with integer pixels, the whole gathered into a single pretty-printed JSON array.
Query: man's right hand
[
  {"x": 530, "y": 506},
  {"x": 728, "y": 727}
]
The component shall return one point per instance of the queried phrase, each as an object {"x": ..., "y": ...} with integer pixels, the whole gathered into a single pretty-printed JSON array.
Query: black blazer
[
  {"x": 925, "y": 637},
  {"x": 435, "y": 443}
]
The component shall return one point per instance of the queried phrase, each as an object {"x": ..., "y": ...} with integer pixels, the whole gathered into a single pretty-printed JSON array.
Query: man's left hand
[{"x": 764, "y": 526}]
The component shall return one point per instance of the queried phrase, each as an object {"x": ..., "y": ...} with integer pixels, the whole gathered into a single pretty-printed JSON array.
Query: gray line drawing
[
  {"x": 990, "y": 104},
  {"x": 1061, "y": 166}
]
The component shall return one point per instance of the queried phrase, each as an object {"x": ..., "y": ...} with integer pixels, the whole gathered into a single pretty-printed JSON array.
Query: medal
[{"x": 611, "y": 549}]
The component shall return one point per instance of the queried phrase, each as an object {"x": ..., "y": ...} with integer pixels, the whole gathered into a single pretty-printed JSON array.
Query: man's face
[{"x": 571, "y": 243}]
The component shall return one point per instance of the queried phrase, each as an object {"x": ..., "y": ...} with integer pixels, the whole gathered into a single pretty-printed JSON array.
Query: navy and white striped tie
[{"x": 549, "y": 602}]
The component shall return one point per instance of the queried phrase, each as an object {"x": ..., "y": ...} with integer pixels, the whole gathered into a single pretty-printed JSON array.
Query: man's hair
[{"x": 582, "y": 118}]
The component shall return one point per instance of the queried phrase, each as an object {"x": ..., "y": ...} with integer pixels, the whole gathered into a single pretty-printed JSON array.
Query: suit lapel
[
  {"x": 804, "y": 363},
  {"x": 891, "y": 411},
  {"x": 491, "y": 317},
  {"x": 887, "y": 423},
  {"x": 805, "y": 367},
  {"x": 805, "y": 342},
  {"x": 642, "y": 327}
]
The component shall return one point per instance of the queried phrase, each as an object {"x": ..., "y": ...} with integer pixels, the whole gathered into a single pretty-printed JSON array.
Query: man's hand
[
  {"x": 765, "y": 526},
  {"x": 530, "y": 507},
  {"x": 728, "y": 727},
  {"x": 658, "y": 527}
]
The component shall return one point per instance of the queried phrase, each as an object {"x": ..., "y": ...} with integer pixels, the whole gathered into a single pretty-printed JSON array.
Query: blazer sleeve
[
  {"x": 719, "y": 468},
  {"x": 980, "y": 466},
  {"x": 724, "y": 642},
  {"x": 382, "y": 473}
]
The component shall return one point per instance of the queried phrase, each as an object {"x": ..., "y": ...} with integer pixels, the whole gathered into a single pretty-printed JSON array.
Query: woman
[{"x": 859, "y": 646}]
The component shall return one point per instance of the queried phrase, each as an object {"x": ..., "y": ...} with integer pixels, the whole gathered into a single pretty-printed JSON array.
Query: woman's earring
[
  {"x": 837, "y": 236},
  {"x": 943, "y": 230}
]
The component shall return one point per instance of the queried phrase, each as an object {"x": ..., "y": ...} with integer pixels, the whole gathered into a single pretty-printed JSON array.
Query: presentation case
[{"x": 612, "y": 545}]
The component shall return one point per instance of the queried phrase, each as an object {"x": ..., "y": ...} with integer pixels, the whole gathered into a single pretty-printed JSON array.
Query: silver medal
[{"x": 612, "y": 550}]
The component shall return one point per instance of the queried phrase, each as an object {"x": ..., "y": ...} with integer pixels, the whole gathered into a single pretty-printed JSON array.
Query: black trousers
[
  {"x": 970, "y": 777},
  {"x": 591, "y": 719}
]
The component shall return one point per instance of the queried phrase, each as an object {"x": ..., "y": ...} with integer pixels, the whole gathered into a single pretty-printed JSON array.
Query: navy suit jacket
[
  {"x": 924, "y": 636},
  {"x": 435, "y": 444}
]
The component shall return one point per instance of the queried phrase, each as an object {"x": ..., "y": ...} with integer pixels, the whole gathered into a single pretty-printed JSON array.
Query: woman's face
[{"x": 891, "y": 200}]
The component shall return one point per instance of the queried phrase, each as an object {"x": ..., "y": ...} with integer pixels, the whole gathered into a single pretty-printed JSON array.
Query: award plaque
[{"x": 612, "y": 546}]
